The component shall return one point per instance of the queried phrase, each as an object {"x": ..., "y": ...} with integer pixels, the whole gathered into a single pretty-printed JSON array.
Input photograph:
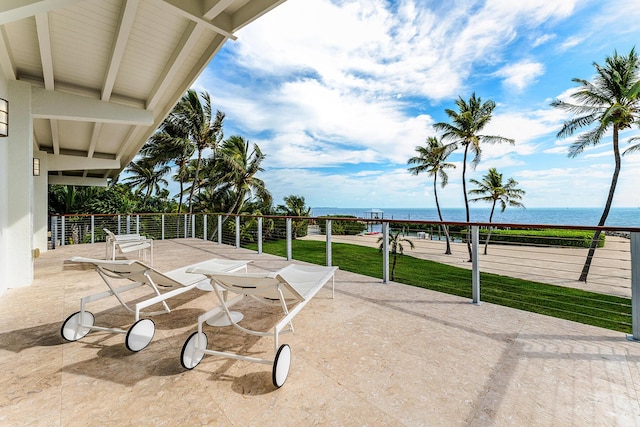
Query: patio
[{"x": 375, "y": 355}]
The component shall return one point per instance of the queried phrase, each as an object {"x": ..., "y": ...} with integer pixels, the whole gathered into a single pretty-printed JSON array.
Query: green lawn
[{"x": 590, "y": 308}]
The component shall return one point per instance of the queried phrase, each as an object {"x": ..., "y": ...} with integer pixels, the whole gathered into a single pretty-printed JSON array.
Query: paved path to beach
[{"x": 610, "y": 270}]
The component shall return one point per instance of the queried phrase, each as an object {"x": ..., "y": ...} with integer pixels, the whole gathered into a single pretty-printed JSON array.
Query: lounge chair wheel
[
  {"x": 140, "y": 334},
  {"x": 281, "y": 365},
  {"x": 74, "y": 328},
  {"x": 192, "y": 351}
]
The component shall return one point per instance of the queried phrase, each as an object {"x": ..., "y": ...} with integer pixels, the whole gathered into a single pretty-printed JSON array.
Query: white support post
[
  {"x": 635, "y": 287},
  {"x": 475, "y": 266},
  {"x": 137, "y": 224},
  {"x": 93, "y": 229},
  {"x": 193, "y": 225},
  {"x": 328, "y": 244},
  {"x": 260, "y": 235},
  {"x": 204, "y": 227},
  {"x": 63, "y": 236},
  {"x": 162, "y": 232},
  {"x": 237, "y": 232},
  {"x": 385, "y": 252},
  {"x": 119, "y": 224},
  {"x": 184, "y": 232},
  {"x": 219, "y": 229},
  {"x": 128, "y": 222},
  {"x": 288, "y": 221}
]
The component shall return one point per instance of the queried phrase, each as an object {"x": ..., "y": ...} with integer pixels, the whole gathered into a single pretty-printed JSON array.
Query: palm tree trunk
[
  {"x": 466, "y": 199},
  {"x": 195, "y": 179},
  {"x": 607, "y": 207},
  {"x": 444, "y": 227},
  {"x": 393, "y": 267},
  {"x": 486, "y": 243}
]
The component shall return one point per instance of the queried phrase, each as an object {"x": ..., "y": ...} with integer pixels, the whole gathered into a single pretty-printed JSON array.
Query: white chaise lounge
[
  {"x": 126, "y": 243},
  {"x": 136, "y": 274},
  {"x": 291, "y": 287}
]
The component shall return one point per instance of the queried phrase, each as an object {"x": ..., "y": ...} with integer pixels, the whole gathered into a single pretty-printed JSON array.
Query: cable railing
[{"x": 521, "y": 266}]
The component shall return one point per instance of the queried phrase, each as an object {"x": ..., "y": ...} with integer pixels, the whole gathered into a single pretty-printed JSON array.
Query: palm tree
[
  {"x": 296, "y": 206},
  {"x": 240, "y": 166},
  {"x": 432, "y": 159},
  {"x": 464, "y": 130},
  {"x": 611, "y": 102},
  {"x": 171, "y": 145},
  {"x": 195, "y": 118},
  {"x": 146, "y": 177},
  {"x": 395, "y": 243},
  {"x": 491, "y": 189}
]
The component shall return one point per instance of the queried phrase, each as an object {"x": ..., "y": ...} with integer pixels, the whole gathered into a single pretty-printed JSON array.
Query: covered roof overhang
[{"x": 105, "y": 73}]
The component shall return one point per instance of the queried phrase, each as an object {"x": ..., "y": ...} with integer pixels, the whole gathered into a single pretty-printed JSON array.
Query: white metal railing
[{"x": 615, "y": 270}]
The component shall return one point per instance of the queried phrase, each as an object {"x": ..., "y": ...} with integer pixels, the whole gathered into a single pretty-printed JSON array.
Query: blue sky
[{"x": 339, "y": 93}]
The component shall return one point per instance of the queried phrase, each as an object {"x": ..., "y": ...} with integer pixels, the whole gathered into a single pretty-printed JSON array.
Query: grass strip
[{"x": 590, "y": 308}]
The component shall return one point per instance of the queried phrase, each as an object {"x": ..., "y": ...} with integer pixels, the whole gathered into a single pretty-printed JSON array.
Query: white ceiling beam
[
  {"x": 6, "y": 59},
  {"x": 15, "y": 10},
  {"x": 120, "y": 43},
  {"x": 97, "y": 127},
  {"x": 44, "y": 43},
  {"x": 191, "y": 11},
  {"x": 187, "y": 41},
  {"x": 77, "y": 180},
  {"x": 213, "y": 8},
  {"x": 55, "y": 138},
  {"x": 60, "y": 162},
  {"x": 46, "y": 104}
]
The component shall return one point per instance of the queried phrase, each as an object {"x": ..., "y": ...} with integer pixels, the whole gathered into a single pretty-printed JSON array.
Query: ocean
[{"x": 620, "y": 217}]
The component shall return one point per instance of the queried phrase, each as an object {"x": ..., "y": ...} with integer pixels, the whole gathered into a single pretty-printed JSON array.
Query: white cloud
[{"x": 521, "y": 74}]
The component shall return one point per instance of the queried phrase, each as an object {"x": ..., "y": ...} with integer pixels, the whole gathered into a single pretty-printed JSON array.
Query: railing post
[
  {"x": 328, "y": 244},
  {"x": 93, "y": 226},
  {"x": 137, "y": 224},
  {"x": 63, "y": 234},
  {"x": 219, "y": 229},
  {"x": 385, "y": 252},
  {"x": 288, "y": 221},
  {"x": 162, "y": 232},
  {"x": 54, "y": 226},
  {"x": 119, "y": 224},
  {"x": 475, "y": 266},
  {"x": 260, "y": 235},
  {"x": 128, "y": 222},
  {"x": 635, "y": 287},
  {"x": 237, "y": 232},
  {"x": 184, "y": 232},
  {"x": 193, "y": 225},
  {"x": 204, "y": 227}
]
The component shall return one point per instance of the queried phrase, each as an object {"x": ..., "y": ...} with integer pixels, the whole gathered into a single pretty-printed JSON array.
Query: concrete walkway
[{"x": 377, "y": 355}]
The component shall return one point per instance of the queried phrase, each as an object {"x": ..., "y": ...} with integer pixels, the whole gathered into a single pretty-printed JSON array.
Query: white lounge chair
[
  {"x": 137, "y": 274},
  {"x": 291, "y": 287},
  {"x": 126, "y": 243}
]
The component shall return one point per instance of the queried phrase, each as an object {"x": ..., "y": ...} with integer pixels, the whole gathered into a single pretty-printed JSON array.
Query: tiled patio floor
[{"x": 375, "y": 355}]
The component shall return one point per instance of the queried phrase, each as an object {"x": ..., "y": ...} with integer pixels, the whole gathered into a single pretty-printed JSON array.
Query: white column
[
  {"x": 41, "y": 204},
  {"x": 18, "y": 190}
]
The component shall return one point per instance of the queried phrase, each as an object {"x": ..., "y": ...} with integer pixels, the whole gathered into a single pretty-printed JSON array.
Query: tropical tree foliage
[
  {"x": 395, "y": 247},
  {"x": 296, "y": 206},
  {"x": 432, "y": 158},
  {"x": 491, "y": 189},
  {"x": 464, "y": 131},
  {"x": 609, "y": 102}
]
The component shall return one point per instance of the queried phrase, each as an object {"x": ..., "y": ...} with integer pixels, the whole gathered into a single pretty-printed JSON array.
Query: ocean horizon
[{"x": 618, "y": 217}]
